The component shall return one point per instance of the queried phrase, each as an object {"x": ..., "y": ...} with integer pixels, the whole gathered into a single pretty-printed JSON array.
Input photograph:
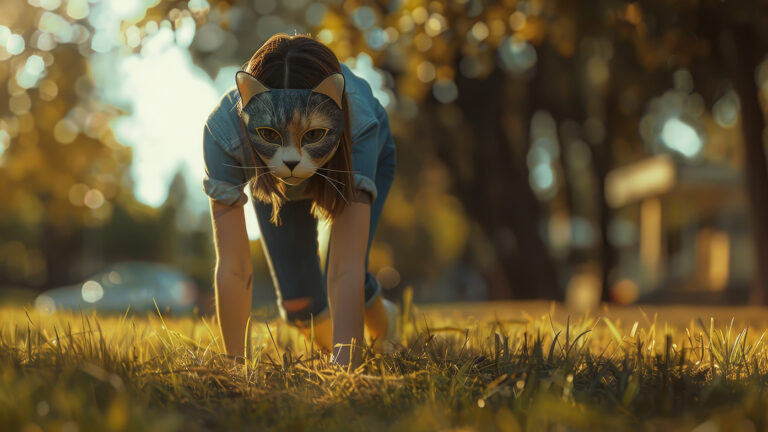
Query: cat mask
[{"x": 294, "y": 131}]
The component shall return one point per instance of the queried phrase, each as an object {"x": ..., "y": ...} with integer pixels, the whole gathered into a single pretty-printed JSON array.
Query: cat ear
[
  {"x": 332, "y": 86},
  {"x": 248, "y": 86}
]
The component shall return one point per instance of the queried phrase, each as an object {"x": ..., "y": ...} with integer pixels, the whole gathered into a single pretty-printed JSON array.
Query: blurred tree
[{"x": 63, "y": 168}]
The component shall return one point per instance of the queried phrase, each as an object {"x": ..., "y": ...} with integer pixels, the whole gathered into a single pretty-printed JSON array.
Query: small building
[{"x": 681, "y": 230}]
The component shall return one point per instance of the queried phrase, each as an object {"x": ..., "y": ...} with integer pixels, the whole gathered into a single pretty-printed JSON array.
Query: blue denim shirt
[{"x": 225, "y": 154}]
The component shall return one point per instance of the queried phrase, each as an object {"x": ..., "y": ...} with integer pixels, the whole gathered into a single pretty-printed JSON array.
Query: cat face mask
[{"x": 294, "y": 131}]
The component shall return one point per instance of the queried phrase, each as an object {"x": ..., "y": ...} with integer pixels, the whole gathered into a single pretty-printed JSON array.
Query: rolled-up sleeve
[
  {"x": 223, "y": 181},
  {"x": 365, "y": 157}
]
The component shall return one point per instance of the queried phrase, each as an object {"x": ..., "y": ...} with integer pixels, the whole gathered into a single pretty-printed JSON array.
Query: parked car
[{"x": 119, "y": 285}]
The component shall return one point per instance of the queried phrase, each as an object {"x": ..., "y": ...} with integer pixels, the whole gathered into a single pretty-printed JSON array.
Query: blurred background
[{"x": 580, "y": 151}]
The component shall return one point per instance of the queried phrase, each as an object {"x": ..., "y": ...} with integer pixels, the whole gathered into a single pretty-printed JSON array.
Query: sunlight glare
[
  {"x": 169, "y": 99},
  {"x": 362, "y": 66}
]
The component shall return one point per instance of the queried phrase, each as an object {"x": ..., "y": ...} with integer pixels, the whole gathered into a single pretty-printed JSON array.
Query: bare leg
[
  {"x": 323, "y": 332},
  {"x": 376, "y": 320}
]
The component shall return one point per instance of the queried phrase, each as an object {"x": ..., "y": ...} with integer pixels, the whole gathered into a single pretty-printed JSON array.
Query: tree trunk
[
  {"x": 57, "y": 248},
  {"x": 498, "y": 196},
  {"x": 739, "y": 48},
  {"x": 602, "y": 165}
]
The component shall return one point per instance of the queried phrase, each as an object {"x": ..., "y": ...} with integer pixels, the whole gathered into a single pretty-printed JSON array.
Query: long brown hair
[{"x": 298, "y": 61}]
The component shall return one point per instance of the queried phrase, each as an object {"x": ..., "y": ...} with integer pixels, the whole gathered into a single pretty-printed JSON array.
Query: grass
[{"x": 83, "y": 372}]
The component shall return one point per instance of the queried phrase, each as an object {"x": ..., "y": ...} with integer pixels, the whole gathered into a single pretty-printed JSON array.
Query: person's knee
[{"x": 299, "y": 309}]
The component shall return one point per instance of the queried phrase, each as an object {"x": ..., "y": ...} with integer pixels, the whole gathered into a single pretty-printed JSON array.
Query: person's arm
[
  {"x": 346, "y": 278},
  {"x": 223, "y": 182},
  {"x": 233, "y": 275}
]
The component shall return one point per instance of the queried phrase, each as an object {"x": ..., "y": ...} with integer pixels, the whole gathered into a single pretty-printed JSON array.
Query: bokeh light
[
  {"x": 681, "y": 137},
  {"x": 14, "y": 44},
  {"x": 726, "y": 110},
  {"x": 445, "y": 91},
  {"x": 93, "y": 199},
  {"x": 517, "y": 57},
  {"x": 92, "y": 291}
]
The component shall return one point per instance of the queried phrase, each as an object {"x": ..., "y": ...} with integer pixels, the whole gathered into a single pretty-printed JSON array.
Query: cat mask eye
[{"x": 294, "y": 131}]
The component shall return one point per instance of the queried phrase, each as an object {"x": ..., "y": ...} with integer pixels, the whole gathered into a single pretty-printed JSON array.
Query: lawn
[{"x": 494, "y": 366}]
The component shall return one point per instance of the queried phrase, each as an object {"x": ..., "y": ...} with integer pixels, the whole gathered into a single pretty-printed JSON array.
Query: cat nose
[{"x": 291, "y": 164}]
